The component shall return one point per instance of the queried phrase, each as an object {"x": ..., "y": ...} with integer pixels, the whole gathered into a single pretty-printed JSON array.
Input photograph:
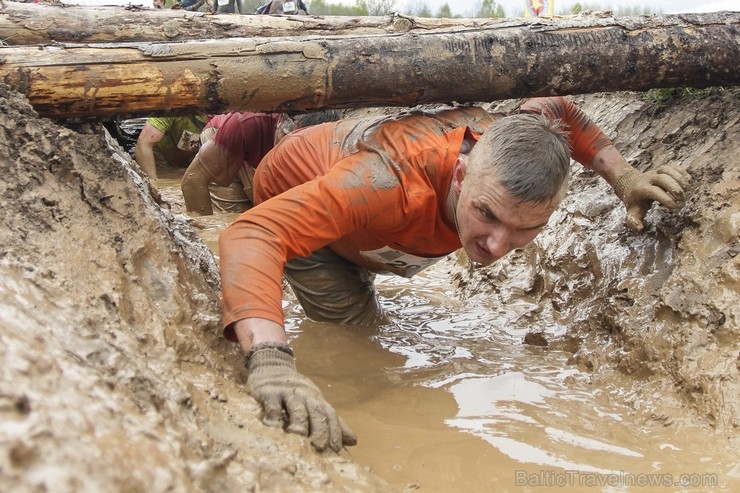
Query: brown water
[{"x": 446, "y": 399}]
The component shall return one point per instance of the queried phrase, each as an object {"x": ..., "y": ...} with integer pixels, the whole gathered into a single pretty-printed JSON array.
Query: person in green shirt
[{"x": 168, "y": 142}]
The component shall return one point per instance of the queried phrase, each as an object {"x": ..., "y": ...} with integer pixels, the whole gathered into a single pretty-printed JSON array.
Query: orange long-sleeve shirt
[{"x": 372, "y": 190}]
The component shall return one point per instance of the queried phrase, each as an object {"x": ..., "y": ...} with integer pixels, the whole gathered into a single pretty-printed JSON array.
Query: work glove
[
  {"x": 639, "y": 190},
  {"x": 291, "y": 401}
]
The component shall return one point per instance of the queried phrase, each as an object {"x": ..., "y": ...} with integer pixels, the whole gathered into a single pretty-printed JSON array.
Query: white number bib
[{"x": 409, "y": 264}]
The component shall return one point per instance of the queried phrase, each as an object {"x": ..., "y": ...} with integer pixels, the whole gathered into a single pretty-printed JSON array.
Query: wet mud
[{"x": 594, "y": 349}]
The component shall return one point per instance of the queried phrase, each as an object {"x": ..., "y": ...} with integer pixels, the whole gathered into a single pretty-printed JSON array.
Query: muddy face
[{"x": 492, "y": 223}]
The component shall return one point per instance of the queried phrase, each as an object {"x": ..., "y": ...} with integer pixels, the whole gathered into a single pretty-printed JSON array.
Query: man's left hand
[{"x": 639, "y": 190}]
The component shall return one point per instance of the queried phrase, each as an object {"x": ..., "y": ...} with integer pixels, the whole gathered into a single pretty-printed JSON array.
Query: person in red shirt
[
  {"x": 232, "y": 145},
  {"x": 338, "y": 202}
]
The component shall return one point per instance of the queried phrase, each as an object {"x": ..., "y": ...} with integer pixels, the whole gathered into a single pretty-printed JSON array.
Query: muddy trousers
[{"x": 332, "y": 289}]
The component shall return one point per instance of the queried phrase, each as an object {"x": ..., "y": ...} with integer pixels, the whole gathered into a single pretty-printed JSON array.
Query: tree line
[
  {"x": 420, "y": 8},
  {"x": 483, "y": 9}
]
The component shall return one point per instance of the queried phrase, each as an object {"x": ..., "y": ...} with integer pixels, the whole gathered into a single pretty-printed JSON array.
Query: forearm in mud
[
  {"x": 144, "y": 155},
  {"x": 638, "y": 190}
]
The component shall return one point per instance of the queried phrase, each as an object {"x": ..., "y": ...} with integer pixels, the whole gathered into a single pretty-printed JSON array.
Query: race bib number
[
  {"x": 189, "y": 141},
  {"x": 409, "y": 264},
  {"x": 289, "y": 7}
]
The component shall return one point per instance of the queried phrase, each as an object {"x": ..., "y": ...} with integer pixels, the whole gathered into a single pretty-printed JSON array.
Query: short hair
[
  {"x": 529, "y": 155},
  {"x": 287, "y": 123},
  {"x": 316, "y": 117}
]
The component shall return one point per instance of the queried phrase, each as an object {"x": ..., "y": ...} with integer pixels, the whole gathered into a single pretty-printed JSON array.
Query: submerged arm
[
  {"x": 144, "y": 152},
  {"x": 194, "y": 188}
]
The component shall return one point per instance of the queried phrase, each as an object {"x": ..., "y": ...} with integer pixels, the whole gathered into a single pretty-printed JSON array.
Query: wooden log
[
  {"x": 28, "y": 23},
  {"x": 552, "y": 57}
]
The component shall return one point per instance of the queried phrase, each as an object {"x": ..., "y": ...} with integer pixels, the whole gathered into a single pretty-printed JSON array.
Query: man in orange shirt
[{"x": 341, "y": 201}]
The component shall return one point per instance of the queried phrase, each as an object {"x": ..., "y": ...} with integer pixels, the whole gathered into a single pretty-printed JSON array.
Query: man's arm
[
  {"x": 592, "y": 148},
  {"x": 638, "y": 190},
  {"x": 144, "y": 151},
  {"x": 253, "y": 251},
  {"x": 194, "y": 188},
  {"x": 252, "y": 331}
]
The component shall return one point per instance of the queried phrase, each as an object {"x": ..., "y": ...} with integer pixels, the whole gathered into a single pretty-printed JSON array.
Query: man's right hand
[{"x": 291, "y": 400}]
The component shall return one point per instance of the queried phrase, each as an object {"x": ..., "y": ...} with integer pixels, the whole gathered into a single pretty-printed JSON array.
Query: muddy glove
[
  {"x": 638, "y": 190},
  {"x": 291, "y": 400}
]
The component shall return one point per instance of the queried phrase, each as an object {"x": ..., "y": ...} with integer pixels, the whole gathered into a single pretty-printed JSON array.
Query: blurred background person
[{"x": 169, "y": 142}]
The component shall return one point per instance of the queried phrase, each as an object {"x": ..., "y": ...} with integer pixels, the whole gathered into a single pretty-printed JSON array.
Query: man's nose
[{"x": 498, "y": 241}]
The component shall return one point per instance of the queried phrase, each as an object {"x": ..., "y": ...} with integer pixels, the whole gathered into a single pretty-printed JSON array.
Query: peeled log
[
  {"x": 551, "y": 57},
  {"x": 28, "y": 23}
]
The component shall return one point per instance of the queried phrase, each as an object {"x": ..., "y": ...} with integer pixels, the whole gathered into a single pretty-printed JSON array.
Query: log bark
[
  {"x": 551, "y": 57},
  {"x": 24, "y": 24}
]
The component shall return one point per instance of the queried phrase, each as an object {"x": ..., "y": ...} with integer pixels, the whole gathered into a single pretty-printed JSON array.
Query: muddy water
[{"x": 447, "y": 399}]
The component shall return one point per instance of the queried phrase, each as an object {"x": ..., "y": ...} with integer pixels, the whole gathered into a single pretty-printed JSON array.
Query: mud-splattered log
[
  {"x": 561, "y": 56},
  {"x": 29, "y": 23}
]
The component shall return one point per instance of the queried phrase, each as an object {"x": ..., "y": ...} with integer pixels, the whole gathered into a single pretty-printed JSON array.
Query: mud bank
[{"x": 115, "y": 377}]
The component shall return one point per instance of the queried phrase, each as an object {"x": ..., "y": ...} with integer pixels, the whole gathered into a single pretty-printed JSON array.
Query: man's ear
[{"x": 458, "y": 172}]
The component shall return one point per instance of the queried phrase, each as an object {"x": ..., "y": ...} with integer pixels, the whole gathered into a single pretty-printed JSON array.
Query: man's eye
[{"x": 488, "y": 214}]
